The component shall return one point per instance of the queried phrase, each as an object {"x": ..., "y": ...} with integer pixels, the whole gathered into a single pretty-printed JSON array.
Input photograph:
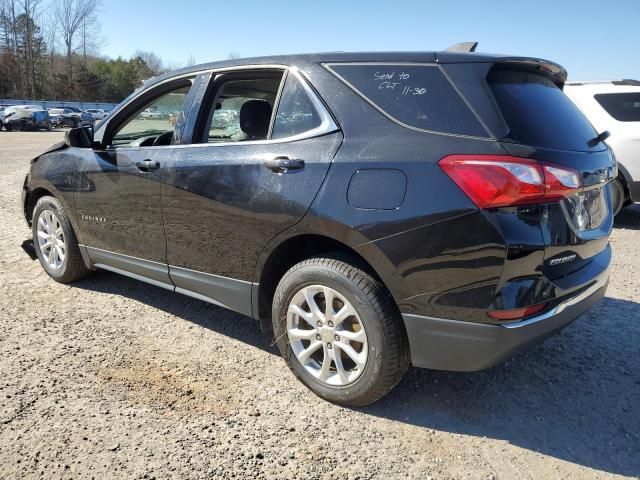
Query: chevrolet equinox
[{"x": 371, "y": 210}]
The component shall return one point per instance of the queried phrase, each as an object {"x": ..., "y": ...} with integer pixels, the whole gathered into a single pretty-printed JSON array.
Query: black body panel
[
  {"x": 222, "y": 204},
  {"x": 120, "y": 209},
  {"x": 209, "y": 219}
]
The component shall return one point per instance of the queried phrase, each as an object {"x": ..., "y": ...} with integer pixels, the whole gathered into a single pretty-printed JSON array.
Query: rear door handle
[
  {"x": 283, "y": 164},
  {"x": 148, "y": 165}
]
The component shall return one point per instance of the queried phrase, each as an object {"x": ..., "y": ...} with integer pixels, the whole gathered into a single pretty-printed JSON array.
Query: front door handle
[
  {"x": 283, "y": 164},
  {"x": 148, "y": 165}
]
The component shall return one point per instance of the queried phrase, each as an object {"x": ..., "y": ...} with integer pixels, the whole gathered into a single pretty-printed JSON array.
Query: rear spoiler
[
  {"x": 466, "y": 53},
  {"x": 554, "y": 72}
]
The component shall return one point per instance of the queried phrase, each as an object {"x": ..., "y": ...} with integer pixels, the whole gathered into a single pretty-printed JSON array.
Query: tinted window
[
  {"x": 241, "y": 109},
  {"x": 624, "y": 107},
  {"x": 141, "y": 126},
  {"x": 418, "y": 96},
  {"x": 296, "y": 113},
  {"x": 538, "y": 113}
]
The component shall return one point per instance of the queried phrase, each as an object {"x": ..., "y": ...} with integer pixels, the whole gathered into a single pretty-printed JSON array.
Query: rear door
[{"x": 260, "y": 150}]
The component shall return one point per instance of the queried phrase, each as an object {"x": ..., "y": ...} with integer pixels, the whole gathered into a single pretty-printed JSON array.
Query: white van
[{"x": 615, "y": 106}]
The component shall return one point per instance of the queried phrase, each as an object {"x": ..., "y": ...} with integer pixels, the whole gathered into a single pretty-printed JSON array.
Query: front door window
[{"x": 155, "y": 123}]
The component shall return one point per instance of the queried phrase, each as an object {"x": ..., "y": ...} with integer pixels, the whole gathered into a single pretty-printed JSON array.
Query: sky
[{"x": 592, "y": 39}]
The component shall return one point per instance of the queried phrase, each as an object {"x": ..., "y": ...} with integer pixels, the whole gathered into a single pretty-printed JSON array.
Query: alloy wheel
[
  {"x": 327, "y": 335},
  {"x": 51, "y": 239}
]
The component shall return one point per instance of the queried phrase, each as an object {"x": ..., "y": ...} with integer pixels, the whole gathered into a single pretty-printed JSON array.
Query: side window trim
[
  {"x": 192, "y": 104},
  {"x": 276, "y": 103},
  {"x": 327, "y": 124}
]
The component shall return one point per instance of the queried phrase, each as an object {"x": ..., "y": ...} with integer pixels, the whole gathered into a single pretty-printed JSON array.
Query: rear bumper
[{"x": 467, "y": 346}]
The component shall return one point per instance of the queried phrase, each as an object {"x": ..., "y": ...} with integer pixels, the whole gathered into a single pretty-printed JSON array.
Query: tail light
[
  {"x": 500, "y": 181},
  {"x": 516, "y": 314}
]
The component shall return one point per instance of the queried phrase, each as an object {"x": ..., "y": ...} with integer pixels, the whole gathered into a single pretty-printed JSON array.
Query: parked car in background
[
  {"x": 376, "y": 210},
  {"x": 12, "y": 108},
  {"x": 615, "y": 106},
  {"x": 149, "y": 114},
  {"x": 27, "y": 120},
  {"x": 67, "y": 117},
  {"x": 96, "y": 113}
]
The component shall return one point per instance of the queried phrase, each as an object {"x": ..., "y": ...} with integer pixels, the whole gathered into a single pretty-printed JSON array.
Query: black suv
[{"x": 371, "y": 210}]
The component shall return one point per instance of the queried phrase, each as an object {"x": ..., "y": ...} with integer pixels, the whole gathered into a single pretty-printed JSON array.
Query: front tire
[
  {"x": 55, "y": 242},
  {"x": 339, "y": 331}
]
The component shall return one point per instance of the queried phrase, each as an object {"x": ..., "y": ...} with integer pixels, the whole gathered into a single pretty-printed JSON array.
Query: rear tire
[
  {"x": 55, "y": 242},
  {"x": 367, "y": 351},
  {"x": 618, "y": 195}
]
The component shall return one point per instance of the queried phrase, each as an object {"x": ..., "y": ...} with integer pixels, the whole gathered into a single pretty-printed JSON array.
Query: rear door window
[
  {"x": 538, "y": 112},
  {"x": 417, "y": 96},
  {"x": 624, "y": 107},
  {"x": 239, "y": 107}
]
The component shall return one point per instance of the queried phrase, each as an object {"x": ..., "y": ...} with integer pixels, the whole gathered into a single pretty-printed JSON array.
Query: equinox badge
[{"x": 561, "y": 260}]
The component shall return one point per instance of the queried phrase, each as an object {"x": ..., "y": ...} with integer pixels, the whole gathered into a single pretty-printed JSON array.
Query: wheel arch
[
  {"x": 286, "y": 254},
  {"x": 625, "y": 178},
  {"x": 39, "y": 186},
  {"x": 31, "y": 201}
]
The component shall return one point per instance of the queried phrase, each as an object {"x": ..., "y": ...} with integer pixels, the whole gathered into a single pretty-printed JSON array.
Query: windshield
[{"x": 539, "y": 113}]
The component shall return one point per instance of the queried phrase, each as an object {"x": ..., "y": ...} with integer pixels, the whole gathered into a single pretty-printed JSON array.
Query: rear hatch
[
  {"x": 543, "y": 124},
  {"x": 521, "y": 102}
]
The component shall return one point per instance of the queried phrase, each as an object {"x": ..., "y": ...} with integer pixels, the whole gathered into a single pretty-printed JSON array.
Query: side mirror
[{"x": 81, "y": 137}]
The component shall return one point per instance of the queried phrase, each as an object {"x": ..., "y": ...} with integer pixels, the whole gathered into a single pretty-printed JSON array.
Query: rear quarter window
[
  {"x": 416, "y": 96},
  {"x": 624, "y": 107}
]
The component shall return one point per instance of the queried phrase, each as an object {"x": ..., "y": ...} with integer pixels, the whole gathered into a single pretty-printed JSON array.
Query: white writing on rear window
[{"x": 398, "y": 82}]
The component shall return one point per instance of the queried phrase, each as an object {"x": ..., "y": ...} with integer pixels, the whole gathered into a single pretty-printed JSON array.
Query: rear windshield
[
  {"x": 538, "y": 113},
  {"x": 624, "y": 107},
  {"x": 418, "y": 96}
]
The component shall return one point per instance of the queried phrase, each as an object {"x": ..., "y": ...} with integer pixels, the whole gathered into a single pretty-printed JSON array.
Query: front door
[
  {"x": 119, "y": 203},
  {"x": 248, "y": 175}
]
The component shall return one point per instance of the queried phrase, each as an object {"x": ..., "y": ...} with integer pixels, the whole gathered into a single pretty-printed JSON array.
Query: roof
[
  {"x": 625, "y": 82},
  {"x": 409, "y": 57}
]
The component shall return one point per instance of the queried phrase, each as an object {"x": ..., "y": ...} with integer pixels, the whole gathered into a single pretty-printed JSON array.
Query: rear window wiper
[{"x": 602, "y": 136}]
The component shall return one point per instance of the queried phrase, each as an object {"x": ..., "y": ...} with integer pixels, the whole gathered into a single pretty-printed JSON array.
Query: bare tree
[
  {"x": 75, "y": 18},
  {"x": 234, "y": 56},
  {"x": 9, "y": 16},
  {"x": 90, "y": 38},
  {"x": 190, "y": 61},
  {"x": 153, "y": 61},
  {"x": 31, "y": 12},
  {"x": 50, "y": 33}
]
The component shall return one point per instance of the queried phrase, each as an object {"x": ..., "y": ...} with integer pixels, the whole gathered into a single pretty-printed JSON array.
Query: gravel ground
[{"x": 113, "y": 378}]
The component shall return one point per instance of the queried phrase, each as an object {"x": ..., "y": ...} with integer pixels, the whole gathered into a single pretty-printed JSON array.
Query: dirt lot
[{"x": 113, "y": 378}]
